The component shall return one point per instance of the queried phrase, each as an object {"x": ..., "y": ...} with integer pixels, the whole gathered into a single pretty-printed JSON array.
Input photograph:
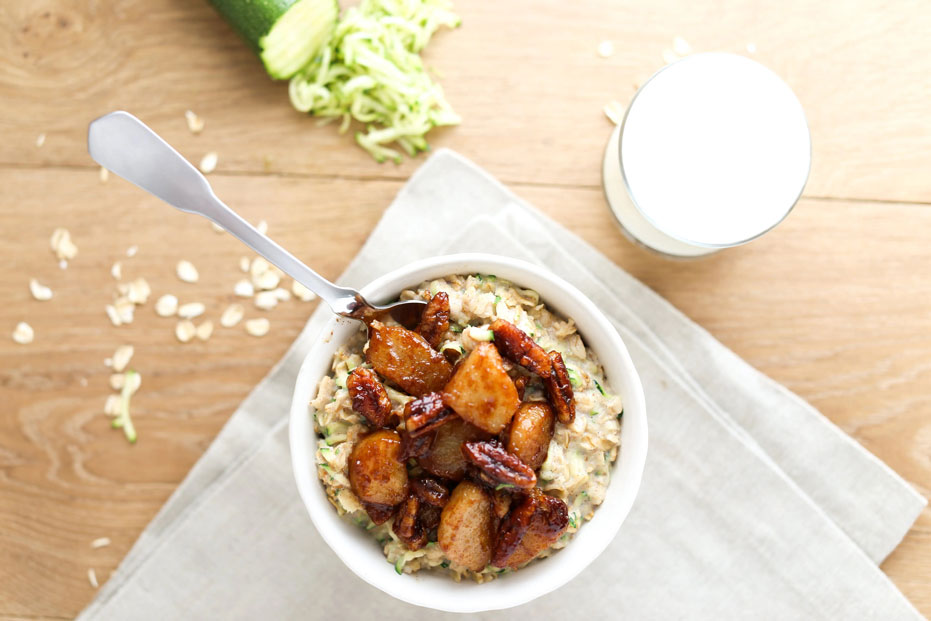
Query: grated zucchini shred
[{"x": 371, "y": 71}]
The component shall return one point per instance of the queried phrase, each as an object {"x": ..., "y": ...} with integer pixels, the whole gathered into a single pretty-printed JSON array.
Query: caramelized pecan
[
  {"x": 425, "y": 414},
  {"x": 430, "y": 518},
  {"x": 533, "y": 525},
  {"x": 517, "y": 346},
  {"x": 407, "y": 525},
  {"x": 379, "y": 514},
  {"x": 498, "y": 467},
  {"x": 412, "y": 446},
  {"x": 559, "y": 390},
  {"x": 435, "y": 319},
  {"x": 430, "y": 491},
  {"x": 369, "y": 397}
]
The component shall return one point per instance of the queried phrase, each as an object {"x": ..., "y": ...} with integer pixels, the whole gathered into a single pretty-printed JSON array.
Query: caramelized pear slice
[
  {"x": 375, "y": 474},
  {"x": 481, "y": 392},
  {"x": 466, "y": 531},
  {"x": 406, "y": 359},
  {"x": 530, "y": 433}
]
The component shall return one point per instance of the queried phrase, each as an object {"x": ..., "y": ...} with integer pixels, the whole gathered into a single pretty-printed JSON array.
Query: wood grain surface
[{"x": 835, "y": 303}]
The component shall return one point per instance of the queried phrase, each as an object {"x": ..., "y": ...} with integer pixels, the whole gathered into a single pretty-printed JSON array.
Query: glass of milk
[{"x": 713, "y": 152}]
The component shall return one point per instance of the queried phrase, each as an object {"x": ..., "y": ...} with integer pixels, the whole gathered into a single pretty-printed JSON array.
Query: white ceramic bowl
[{"x": 359, "y": 551}]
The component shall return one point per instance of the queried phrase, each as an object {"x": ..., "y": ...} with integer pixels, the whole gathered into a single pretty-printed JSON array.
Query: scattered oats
[
  {"x": 751, "y": 48},
  {"x": 40, "y": 140},
  {"x": 217, "y": 228},
  {"x": 194, "y": 122},
  {"x": 138, "y": 291},
  {"x": 125, "y": 309},
  {"x": 606, "y": 49},
  {"x": 204, "y": 330},
  {"x": 122, "y": 356},
  {"x": 82, "y": 381},
  {"x": 113, "y": 315},
  {"x": 185, "y": 330},
  {"x": 669, "y": 57},
  {"x": 262, "y": 227},
  {"x": 244, "y": 264},
  {"x": 92, "y": 577},
  {"x": 187, "y": 272},
  {"x": 282, "y": 294},
  {"x": 266, "y": 300},
  {"x": 131, "y": 251},
  {"x": 191, "y": 310},
  {"x": 62, "y": 245},
  {"x": 301, "y": 292},
  {"x": 258, "y": 327},
  {"x": 244, "y": 289},
  {"x": 681, "y": 47},
  {"x": 259, "y": 266},
  {"x": 209, "y": 163},
  {"x": 232, "y": 315},
  {"x": 104, "y": 175},
  {"x": 117, "y": 380},
  {"x": 266, "y": 280},
  {"x": 166, "y": 306},
  {"x": 63, "y": 264},
  {"x": 39, "y": 291},
  {"x": 615, "y": 112},
  {"x": 112, "y": 406},
  {"x": 108, "y": 362},
  {"x": 23, "y": 333},
  {"x": 102, "y": 542},
  {"x": 116, "y": 270}
]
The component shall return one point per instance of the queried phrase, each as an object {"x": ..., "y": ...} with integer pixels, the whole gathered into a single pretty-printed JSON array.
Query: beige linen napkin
[{"x": 753, "y": 505}]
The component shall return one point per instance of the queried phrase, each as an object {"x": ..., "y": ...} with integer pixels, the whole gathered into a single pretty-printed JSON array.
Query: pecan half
[
  {"x": 407, "y": 524},
  {"x": 533, "y": 525},
  {"x": 425, "y": 414},
  {"x": 379, "y": 514},
  {"x": 435, "y": 319},
  {"x": 498, "y": 467},
  {"x": 517, "y": 346},
  {"x": 369, "y": 397},
  {"x": 430, "y": 491},
  {"x": 559, "y": 390},
  {"x": 412, "y": 446},
  {"x": 430, "y": 518}
]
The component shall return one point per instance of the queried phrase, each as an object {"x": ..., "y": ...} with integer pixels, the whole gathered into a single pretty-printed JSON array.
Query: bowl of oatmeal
[{"x": 480, "y": 457}]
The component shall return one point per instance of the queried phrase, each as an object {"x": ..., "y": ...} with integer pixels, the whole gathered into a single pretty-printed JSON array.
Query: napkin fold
[{"x": 752, "y": 504}]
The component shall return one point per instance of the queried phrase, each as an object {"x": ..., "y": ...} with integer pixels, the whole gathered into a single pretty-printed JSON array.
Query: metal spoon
[{"x": 127, "y": 147}]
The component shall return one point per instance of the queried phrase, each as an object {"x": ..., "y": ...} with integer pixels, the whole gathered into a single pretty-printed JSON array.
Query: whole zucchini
[{"x": 286, "y": 34}]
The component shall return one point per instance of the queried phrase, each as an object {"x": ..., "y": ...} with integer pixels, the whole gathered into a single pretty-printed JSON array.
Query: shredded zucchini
[{"x": 371, "y": 71}]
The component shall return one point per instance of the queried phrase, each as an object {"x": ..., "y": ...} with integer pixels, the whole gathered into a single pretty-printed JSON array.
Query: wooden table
[{"x": 835, "y": 303}]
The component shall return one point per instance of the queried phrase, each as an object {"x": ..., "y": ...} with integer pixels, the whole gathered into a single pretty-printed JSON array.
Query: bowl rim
[{"x": 633, "y": 440}]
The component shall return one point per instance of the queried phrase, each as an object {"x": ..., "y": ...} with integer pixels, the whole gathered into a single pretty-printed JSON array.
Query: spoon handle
[{"x": 127, "y": 147}]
